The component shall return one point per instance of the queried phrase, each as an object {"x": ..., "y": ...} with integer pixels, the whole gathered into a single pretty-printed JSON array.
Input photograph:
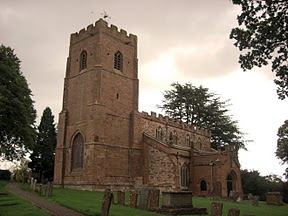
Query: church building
[{"x": 105, "y": 142}]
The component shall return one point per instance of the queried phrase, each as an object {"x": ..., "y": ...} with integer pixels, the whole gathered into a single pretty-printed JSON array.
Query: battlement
[
  {"x": 174, "y": 123},
  {"x": 102, "y": 26}
]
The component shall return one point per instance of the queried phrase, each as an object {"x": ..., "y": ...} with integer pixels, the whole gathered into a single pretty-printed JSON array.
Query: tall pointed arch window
[
  {"x": 118, "y": 61},
  {"x": 83, "y": 60},
  {"x": 159, "y": 133},
  {"x": 77, "y": 152},
  {"x": 184, "y": 175},
  {"x": 187, "y": 140}
]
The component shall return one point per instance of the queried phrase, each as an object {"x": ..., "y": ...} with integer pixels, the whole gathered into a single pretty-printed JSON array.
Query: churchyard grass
[
  {"x": 246, "y": 208},
  {"x": 11, "y": 205},
  {"x": 89, "y": 203}
]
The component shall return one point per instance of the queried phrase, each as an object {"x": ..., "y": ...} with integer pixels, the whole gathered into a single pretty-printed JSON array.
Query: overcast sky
[{"x": 183, "y": 41}]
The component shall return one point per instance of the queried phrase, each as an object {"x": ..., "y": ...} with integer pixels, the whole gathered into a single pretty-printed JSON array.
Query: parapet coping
[
  {"x": 175, "y": 123},
  {"x": 103, "y": 25}
]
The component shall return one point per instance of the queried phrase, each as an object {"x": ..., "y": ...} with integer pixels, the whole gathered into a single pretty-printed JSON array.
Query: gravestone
[
  {"x": 234, "y": 212},
  {"x": 216, "y": 209},
  {"x": 34, "y": 185},
  {"x": 107, "y": 199},
  {"x": 255, "y": 200},
  {"x": 143, "y": 198},
  {"x": 121, "y": 197},
  {"x": 153, "y": 199},
  {"x": 31, "y": 183},
  {"x": 49, "y": 189},
  {"x": 179, "y": 203},
  {"x": 274, "y": 198},
  {"x": 177, "y": 199},
  {"x": 133, "y": 199}
]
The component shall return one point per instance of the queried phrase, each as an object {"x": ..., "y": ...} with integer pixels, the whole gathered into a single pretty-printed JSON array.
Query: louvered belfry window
[
  {"x": 118, "y": 61},
  {"x": 83, "y": 60}
]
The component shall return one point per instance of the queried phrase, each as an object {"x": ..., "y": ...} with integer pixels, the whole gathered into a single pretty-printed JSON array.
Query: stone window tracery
[
  {"x": 184, "y": 176},
  {"x": 118, "y": 61},
  {"x": 83, "y": 60},
  {"x": 159, "y": 133},
  {"x": 77, "y": 152},
  {"x": 187, "y": 140}
]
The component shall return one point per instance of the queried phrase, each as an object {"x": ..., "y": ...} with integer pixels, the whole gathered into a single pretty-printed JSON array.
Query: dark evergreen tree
[
  {"x": 282, "y": 144},
  {"x": 17, "y": 113},
  {"x": 262, "y": 37},
  {"x": 42, "y": 157},
  {"x": 197, "y": 106}
]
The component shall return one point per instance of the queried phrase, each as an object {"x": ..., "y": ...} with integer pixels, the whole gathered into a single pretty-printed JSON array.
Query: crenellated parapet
[
  {"x": 102, "y": 26},
  {"x": 153, "y": 116}
]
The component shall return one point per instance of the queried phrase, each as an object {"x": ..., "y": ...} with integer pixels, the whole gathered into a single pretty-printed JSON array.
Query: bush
[{"x": 5, "y": 175}]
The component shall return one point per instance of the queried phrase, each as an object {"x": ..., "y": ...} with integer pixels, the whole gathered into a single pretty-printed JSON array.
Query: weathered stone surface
[
  {"x": 181, "y": 199},
  {"x": 274, "y": 198},
  {"x": 234, "y": 212},
  {"x": 143, "y": 198},
  {"x": 121, "y": 197},
  {"x": 153, "y": 199},
  {"x": 216, "y": 209},
  {"x": 107, "y": 199},
  {"x": 133, "y": 196}
]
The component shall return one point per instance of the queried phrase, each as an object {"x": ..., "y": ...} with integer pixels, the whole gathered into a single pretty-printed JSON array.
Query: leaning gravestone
[
  {"x": 121, "y": 197},
  {"x": 234, "y": 212},
  {"x": 133, "y": 199},
  {"x": 107, "y": 199},
  {"x": 216, "y": 209}
]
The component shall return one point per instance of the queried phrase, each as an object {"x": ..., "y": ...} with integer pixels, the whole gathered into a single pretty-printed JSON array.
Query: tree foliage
[
  {"x": 262, "y": 37},
  {"x": 42, "y": 158},
  {"x": 197, "y": 106},
  {"x": 254, "y": 183},
  {"x": 17, "y": 113},
  {"x": 282, "y": 144}
]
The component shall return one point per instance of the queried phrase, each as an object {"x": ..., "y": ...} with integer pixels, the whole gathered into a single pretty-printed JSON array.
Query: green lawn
[
  {"x": 245, "y": 207},
  {"x": 11, "y": 205},
  {"x": 89, "y": 203}
]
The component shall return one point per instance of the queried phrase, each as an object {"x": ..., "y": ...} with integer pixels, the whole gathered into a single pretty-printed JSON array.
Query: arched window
[
  {"x": 159, "y": 133},
  {"x": 203, "y": 185},
  {"x": 187, "y": 140},
  {"x": 83, "y": 60},
  {"x": 77, "y": 152},
  {"x": 184, "y": 176},
  {"x": 118, "y": 61},
  {"x": 171, "y": 138},
  {"x": 175, "y": 137}
]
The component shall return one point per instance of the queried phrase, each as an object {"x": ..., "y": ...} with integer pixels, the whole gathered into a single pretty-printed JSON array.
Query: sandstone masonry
[{"x": 105, "y": 142}]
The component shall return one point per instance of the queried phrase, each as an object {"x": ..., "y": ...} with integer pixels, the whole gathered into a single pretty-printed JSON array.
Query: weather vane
[{"x": 105, "y": 16}]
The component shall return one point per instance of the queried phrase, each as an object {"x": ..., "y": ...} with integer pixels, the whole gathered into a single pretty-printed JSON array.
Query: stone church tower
[
  {"x": 100, "y": 93},
  {"x": 104, "y": 141}
]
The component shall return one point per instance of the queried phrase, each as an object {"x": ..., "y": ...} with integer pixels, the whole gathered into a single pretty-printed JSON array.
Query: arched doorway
[{"x": 231, "y": 182}]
